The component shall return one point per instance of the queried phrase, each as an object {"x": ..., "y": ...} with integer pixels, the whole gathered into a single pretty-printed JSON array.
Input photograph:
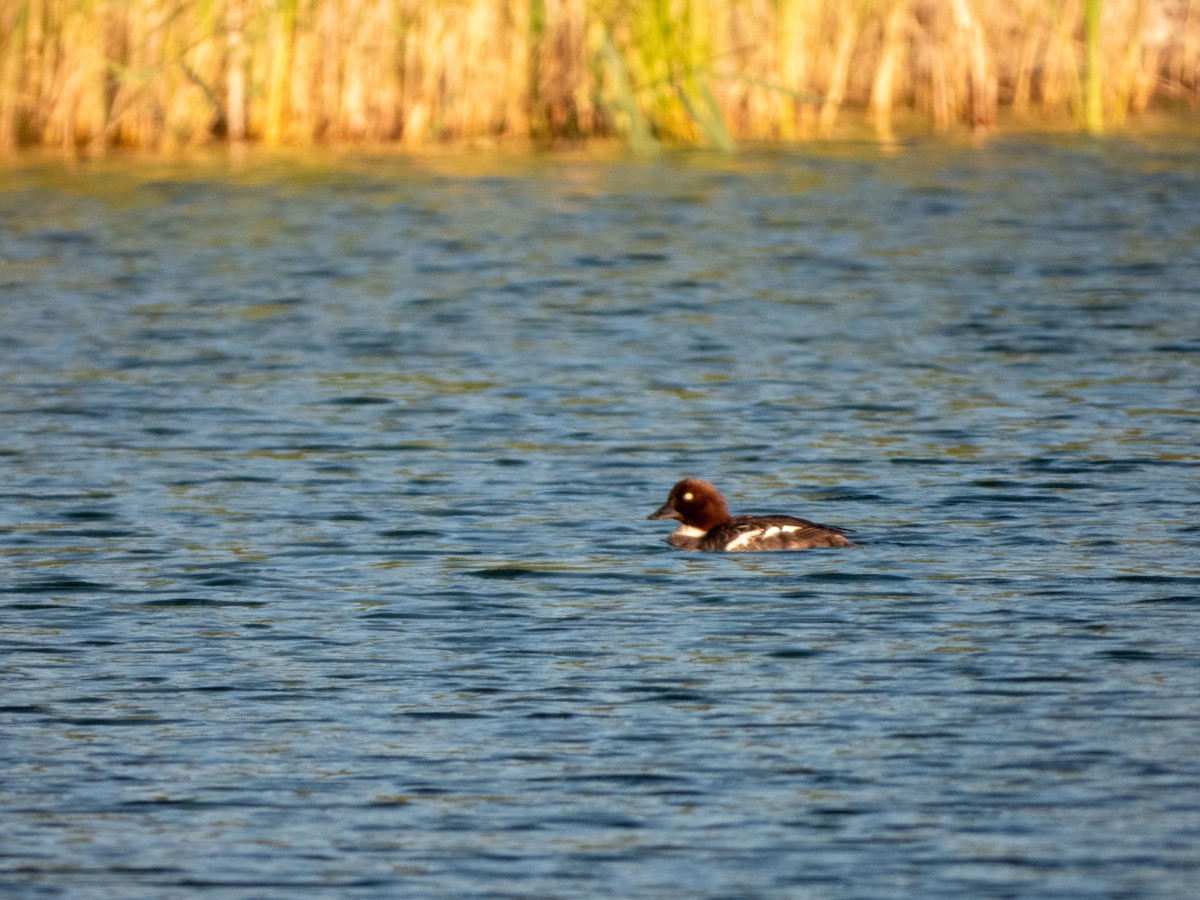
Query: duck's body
[{"x": 707, "y": 525}]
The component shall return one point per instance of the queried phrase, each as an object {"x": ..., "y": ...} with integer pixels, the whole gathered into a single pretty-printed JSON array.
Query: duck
[{"x": 705, "y": 524}]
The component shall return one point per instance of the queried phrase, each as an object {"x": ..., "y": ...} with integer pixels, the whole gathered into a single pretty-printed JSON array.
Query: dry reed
[{"x": 168, "y": 73}]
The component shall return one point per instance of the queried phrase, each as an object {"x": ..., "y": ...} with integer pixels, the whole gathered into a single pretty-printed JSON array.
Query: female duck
[{"x": 707, "y": 525}]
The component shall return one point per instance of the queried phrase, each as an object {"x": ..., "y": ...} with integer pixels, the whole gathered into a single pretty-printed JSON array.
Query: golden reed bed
[{"x": 162, "y": 74}]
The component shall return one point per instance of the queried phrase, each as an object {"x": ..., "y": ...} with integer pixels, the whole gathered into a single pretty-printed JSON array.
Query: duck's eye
[{"x": 688, "y": 496}]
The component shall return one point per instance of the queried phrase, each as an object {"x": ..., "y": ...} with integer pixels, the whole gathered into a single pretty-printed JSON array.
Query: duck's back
[{"x": 771, "y": 533}]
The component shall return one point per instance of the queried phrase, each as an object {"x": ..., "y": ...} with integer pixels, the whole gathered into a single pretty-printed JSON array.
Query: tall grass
[{"x": 168, "y": 73}]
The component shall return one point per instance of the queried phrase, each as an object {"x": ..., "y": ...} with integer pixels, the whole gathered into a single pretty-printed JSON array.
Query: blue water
[{"x": 325, "y": 566}]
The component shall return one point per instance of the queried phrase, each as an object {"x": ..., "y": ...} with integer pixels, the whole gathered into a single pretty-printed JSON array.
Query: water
[{"x": 326, "y": 567}]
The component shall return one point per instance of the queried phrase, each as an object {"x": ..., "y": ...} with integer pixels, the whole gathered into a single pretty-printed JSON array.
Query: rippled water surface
[{"x": 325, "y": 565}]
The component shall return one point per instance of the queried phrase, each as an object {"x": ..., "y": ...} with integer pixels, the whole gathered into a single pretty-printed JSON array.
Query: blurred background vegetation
[{"x": 165, "y": 74}]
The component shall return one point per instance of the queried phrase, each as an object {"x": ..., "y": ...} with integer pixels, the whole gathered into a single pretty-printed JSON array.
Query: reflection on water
[{"x": 325, "y": 561}]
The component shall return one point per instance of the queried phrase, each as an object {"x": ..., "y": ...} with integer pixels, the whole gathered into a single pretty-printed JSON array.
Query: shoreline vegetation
[{"x": 163, "y": 75}]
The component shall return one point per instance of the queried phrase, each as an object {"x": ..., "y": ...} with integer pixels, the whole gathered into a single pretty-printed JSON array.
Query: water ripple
[{"x": 326, "y": 565}]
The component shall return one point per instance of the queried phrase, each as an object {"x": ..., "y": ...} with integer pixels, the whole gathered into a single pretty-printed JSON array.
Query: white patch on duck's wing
[
  {"x": 750, "y": 535},
  {"x": 756, "y": 534}
]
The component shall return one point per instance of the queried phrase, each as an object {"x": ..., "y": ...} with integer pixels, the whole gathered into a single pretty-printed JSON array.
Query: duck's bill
[{"x": 666, "y": 511}]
